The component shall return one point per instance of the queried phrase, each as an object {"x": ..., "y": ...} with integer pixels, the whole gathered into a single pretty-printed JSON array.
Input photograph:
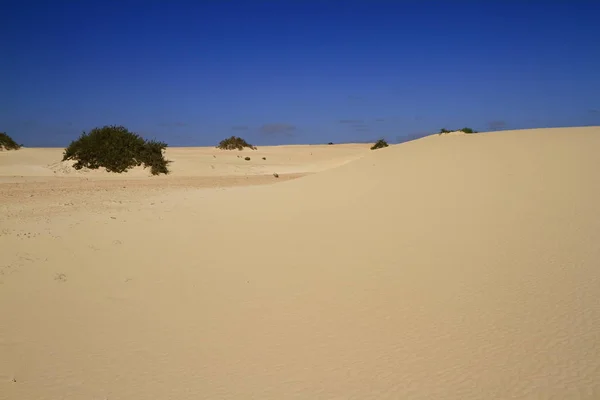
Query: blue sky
[{"x": 276, "y": 72}]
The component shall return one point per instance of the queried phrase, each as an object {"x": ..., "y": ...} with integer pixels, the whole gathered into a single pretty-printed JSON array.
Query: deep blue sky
[{"x": 192, "y": 73}]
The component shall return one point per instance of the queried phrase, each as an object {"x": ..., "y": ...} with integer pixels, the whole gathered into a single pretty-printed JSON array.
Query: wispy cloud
[
  {"x": 379, "y": 119},
  {"x": 594, "y": 111},
  {"x": 240, "y": 128},
  {"x": 277, "y": 129},
  {"x": 496, "y": 125},
  {"x": 351, "y": 121}
]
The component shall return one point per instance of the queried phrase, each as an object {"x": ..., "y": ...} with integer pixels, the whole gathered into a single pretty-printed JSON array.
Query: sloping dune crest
[{"x": 450, "y": 267}]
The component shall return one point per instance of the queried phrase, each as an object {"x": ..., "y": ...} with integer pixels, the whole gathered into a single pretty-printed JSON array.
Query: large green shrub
[
  {"x": 234, "y": 143},
  {"x": 117, "y": 150},
  {"x": 7, "y": 143},
  {"x": 381, "y": 143}
]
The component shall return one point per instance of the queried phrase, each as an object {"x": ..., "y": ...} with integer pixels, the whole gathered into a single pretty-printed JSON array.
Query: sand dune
[
  {"x": 191, "y": 162},
  {"x": 450, "y": 267}
]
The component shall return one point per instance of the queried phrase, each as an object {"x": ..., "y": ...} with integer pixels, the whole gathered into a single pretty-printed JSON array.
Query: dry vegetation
[
  {"x": 117, "y": 150},
  {"x": 7, "y": 143},
  {"x": 234, "y": 143},
  {"x": 380, "y": 144}
]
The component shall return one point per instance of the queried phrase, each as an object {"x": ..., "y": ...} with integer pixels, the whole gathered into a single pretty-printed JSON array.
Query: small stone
[{"x": 276, "y": 175}]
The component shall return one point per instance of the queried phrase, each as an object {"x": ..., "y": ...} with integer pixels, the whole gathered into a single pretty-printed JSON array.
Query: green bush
[
  {"x": 7, "y": 143},
  {"x": 465, "y": 130},
  {"x": 381, "y": 143},
  {"x": 117, "y": 150},
  {"x": 234, "y": 143}
]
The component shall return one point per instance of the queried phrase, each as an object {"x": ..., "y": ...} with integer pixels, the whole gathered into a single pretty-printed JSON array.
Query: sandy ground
[
  {"x": 450, "y": 267},
  {"x": 191, "y": 162},
  {"x": 36, "y": 182}
]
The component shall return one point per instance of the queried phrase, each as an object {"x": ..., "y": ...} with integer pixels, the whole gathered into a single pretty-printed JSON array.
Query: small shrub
[
  {"x": 465, "y": 130},
  {"x": 234, "y": 143},
  {"x": 381, "y": 143},
  {"x": 276, "y": 175},
  {"x": 264, "y": 158},
  {"x": 7, "y": 143},
  {"x": 247, "y": 158},
  {"x": 117, "y": 150},
  {"x": 330, "y": 143}
]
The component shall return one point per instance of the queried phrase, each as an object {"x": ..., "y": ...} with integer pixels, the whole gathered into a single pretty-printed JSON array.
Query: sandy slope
[
  {"x": 451, "y": 267},
  {"x": 52, "y": 186},
  {"x": 191, "y": 162}
]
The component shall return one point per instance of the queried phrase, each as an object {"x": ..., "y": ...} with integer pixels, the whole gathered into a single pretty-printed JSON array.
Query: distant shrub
[
  {"x": 247, "y": 158},
  {"x": 381, "y": 143},
  {"x": 264, "y": 158},
  {"x": 330, "y": 143},
  {"x": 7, "y": 143},
  {"x": 465, "y": 130},
  {"x": 117, "y": 150},
  {"x": 234, "y": 143}
]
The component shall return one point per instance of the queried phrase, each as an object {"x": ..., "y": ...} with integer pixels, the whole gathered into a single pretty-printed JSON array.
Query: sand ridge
[{"x": 459, "y": 267}]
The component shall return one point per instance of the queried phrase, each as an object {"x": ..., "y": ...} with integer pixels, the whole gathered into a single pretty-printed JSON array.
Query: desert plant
[
  {"x": 233, "y": 143},
  {"x": 247, "y": 158},
  {"x": 7, "y": 143},
  {"x": 381, "y": 143},
  {"x": 116, "y": 149},
  {"x": 465, "y": 130}
]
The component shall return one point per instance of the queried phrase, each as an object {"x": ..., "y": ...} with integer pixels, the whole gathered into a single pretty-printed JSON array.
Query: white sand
[{"x": 450, "y": 267}]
